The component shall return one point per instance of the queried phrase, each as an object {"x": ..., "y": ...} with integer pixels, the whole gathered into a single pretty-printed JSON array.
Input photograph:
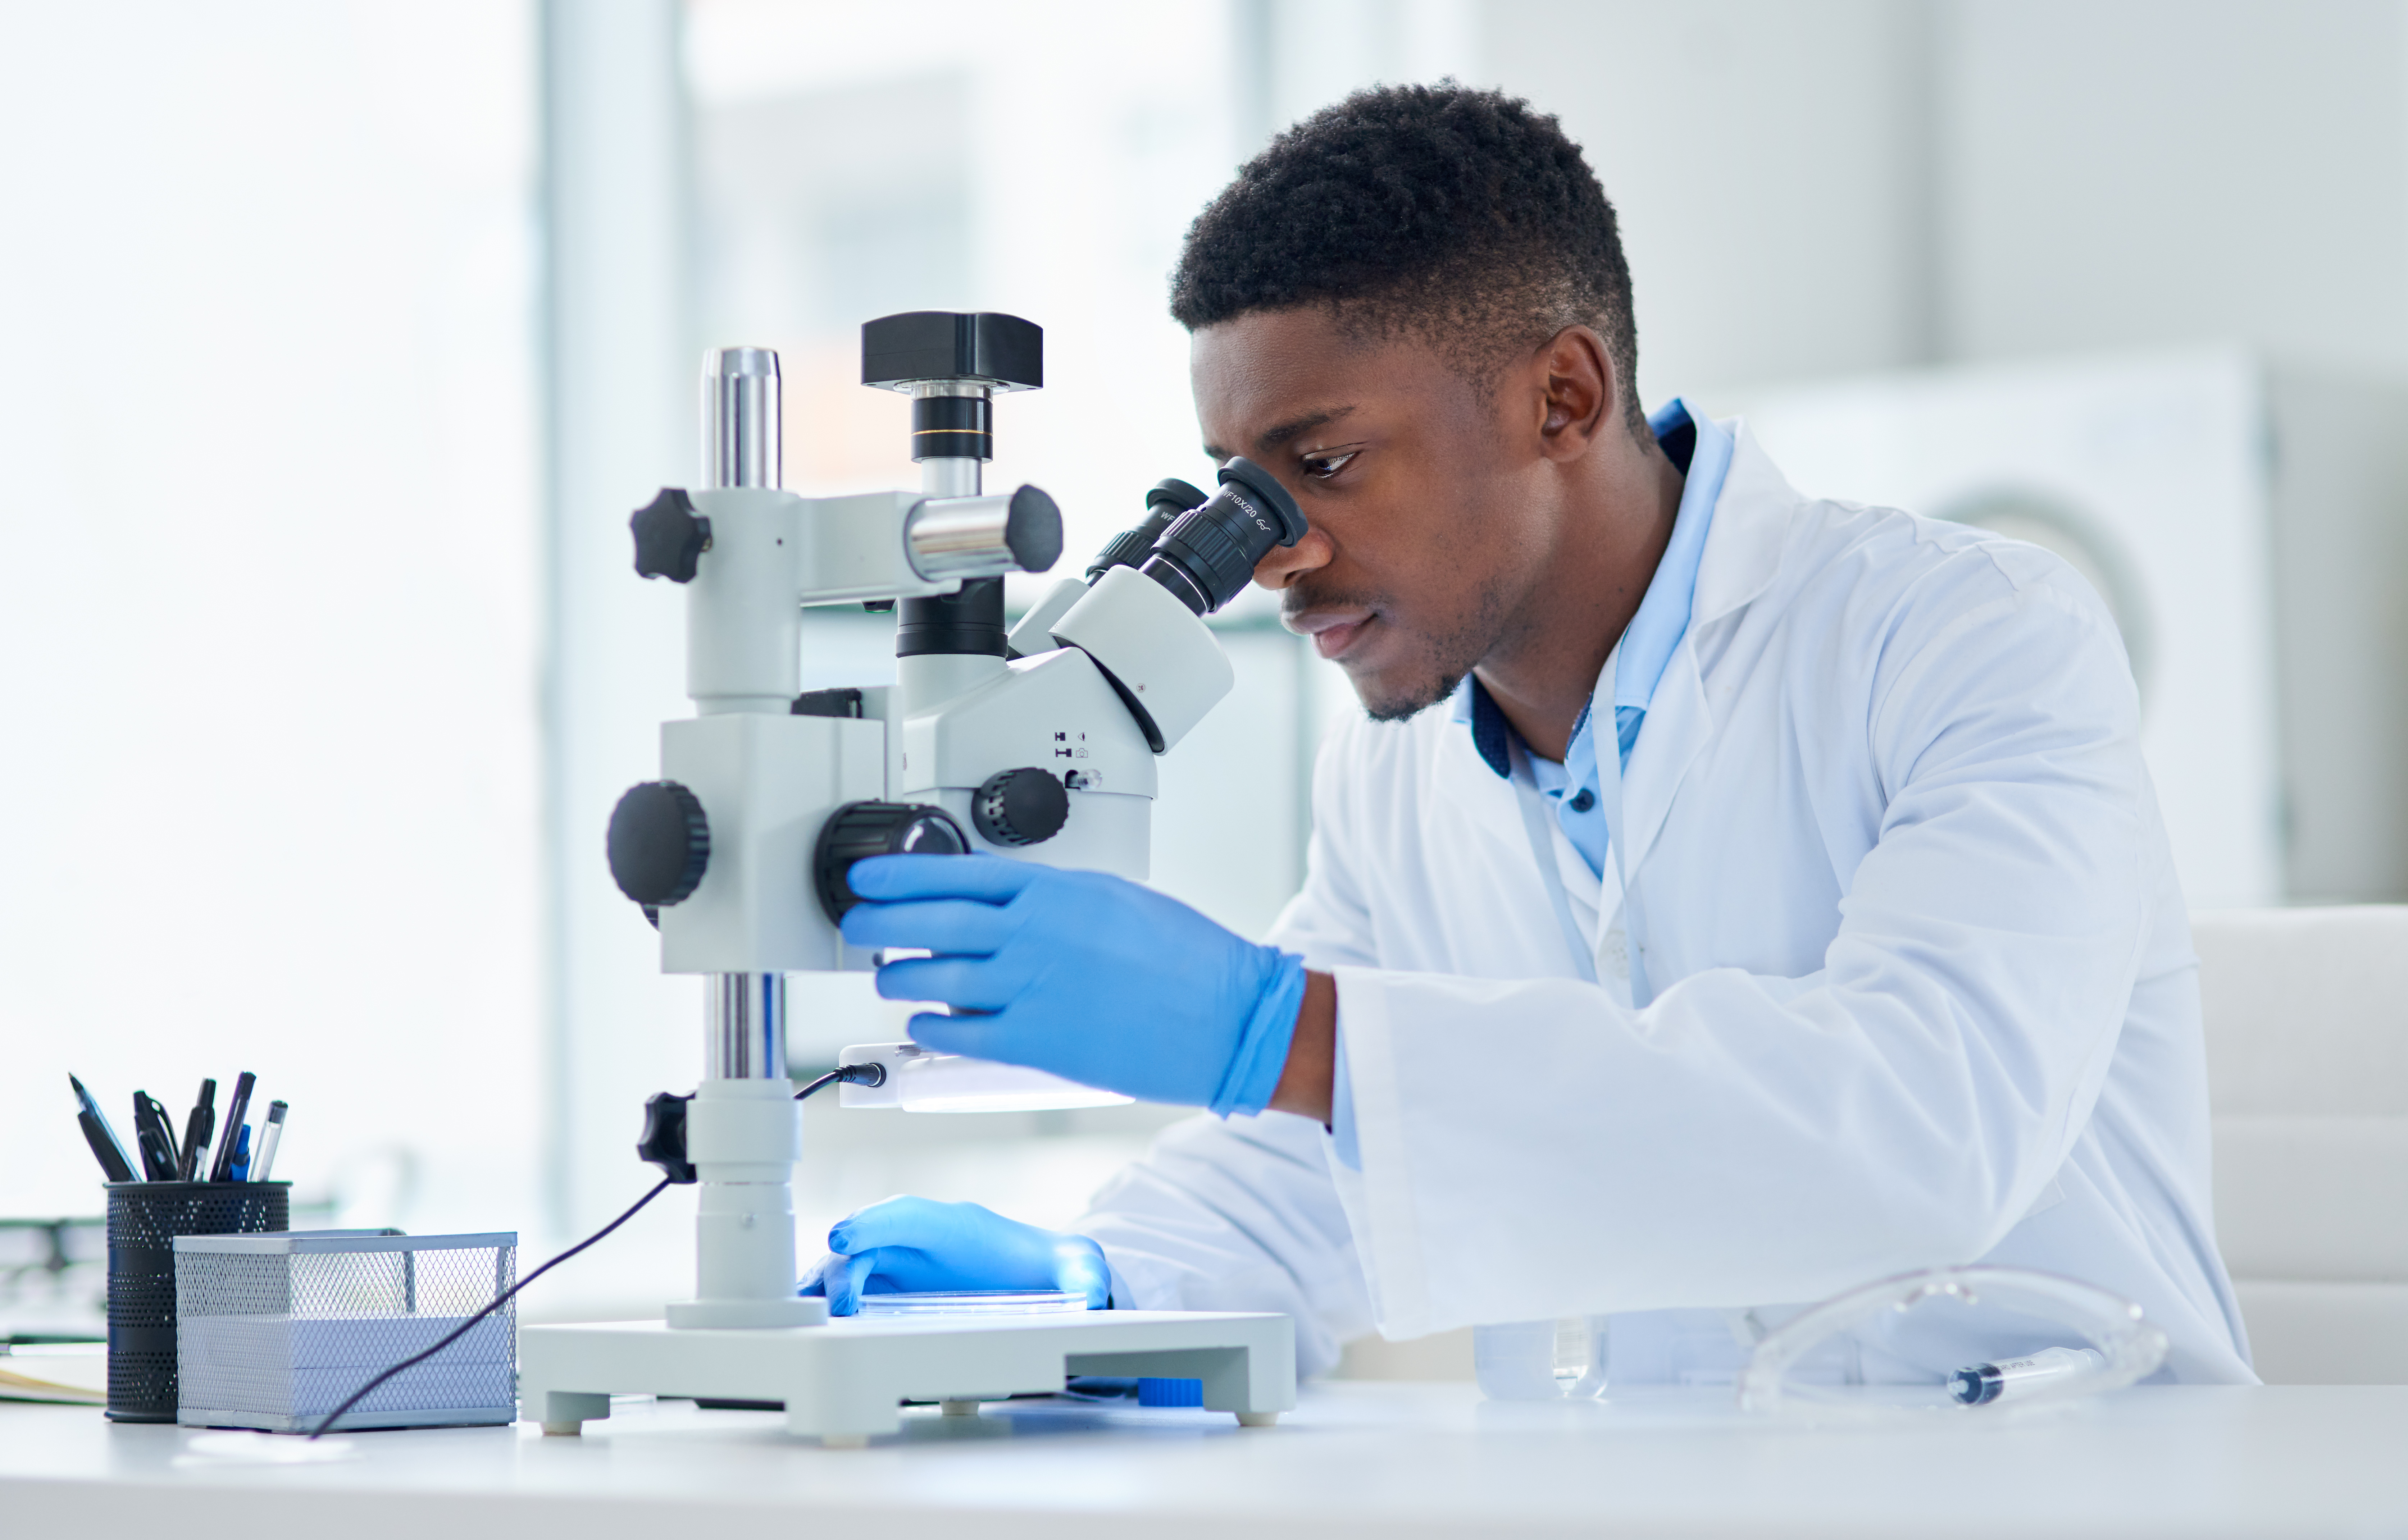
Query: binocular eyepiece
[{"x": 1203, "y": 550}]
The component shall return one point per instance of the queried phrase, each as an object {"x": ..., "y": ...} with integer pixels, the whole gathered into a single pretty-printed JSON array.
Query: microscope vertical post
[{"x": 744, "y": 1128}]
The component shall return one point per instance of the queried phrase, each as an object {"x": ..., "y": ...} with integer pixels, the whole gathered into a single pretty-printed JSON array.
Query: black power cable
[
  {"x": 869, "y": 1074},
  {"x": 361, "y": 1394}
]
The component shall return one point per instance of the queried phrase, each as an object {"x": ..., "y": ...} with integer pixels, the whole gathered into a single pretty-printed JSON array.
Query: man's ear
[{"x": 1577, "y": 396}]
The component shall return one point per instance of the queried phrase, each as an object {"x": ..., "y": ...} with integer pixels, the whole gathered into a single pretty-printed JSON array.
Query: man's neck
[{"x": 1544, "y": 673}]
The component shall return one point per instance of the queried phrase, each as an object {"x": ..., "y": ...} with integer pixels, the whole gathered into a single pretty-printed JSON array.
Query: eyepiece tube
[
  {"x": 741, "y": 433},
  {"x": 1164, "y": 504},
  {"x": 1209, "y": 553}
]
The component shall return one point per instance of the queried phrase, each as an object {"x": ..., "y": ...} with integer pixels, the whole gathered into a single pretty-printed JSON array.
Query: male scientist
[{"x": 1728, "y": 899}]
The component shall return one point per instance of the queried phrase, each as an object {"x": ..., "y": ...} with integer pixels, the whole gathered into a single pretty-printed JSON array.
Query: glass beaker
[{"x": 1558, "y": 1359}]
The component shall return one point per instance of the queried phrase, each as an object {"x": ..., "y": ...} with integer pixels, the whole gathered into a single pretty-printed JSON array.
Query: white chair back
[{"x": 2307, "y": 1058}]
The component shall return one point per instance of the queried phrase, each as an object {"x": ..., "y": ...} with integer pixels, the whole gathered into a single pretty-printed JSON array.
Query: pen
[
  {"x": 238, "y": 1169},
  {"x": 197, "y": 1128},
  {"x": 167, "y": 1126},
  {"x": 221, "y": 1169},
  {"x": 150, "y": 1142},
  {"x": 101, "y": 1137},
  {"x": 271, "y": 1129}
]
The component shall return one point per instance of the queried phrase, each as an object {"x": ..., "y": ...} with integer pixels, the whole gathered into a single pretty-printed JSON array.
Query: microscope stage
[{"x": 845, "y": 1380}]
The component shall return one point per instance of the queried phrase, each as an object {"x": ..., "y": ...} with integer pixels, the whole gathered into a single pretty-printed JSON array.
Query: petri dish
[{"x": 974, "y": 1302}]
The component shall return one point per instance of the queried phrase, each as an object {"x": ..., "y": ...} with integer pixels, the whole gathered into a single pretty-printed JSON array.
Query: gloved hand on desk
[
  {"x": 906, "y": 1245},
  {"x": 1091, "y": 977}
]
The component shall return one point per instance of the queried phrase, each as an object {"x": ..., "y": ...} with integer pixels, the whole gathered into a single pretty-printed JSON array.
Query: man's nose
[{"x": 1284, "y": 564}]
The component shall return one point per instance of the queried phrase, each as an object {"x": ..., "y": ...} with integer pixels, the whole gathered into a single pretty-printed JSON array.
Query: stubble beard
[{"x": 1446, "y": 659}]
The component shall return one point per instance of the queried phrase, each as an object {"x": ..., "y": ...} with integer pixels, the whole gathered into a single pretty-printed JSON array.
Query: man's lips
[{"x": 1333, "y": 630}]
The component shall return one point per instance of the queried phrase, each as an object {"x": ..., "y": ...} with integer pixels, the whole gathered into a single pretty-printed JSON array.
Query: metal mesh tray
[{"x": 274, "y": 1331}]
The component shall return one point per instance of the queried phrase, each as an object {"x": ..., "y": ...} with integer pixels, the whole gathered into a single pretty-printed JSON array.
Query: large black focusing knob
[
  {"x": 660, "y": 843},
  {"x": 861, "y": 829},
  {"x": 1023, "y": 806},
  {"x": 670, "y": 538}
]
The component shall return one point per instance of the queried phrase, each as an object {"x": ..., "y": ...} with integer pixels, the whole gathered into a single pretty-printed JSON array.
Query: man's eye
[{"x": 1320, "y": 467}]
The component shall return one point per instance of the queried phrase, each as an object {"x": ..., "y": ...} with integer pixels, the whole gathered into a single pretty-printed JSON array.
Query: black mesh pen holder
[{"x": 144, "y": 1219}]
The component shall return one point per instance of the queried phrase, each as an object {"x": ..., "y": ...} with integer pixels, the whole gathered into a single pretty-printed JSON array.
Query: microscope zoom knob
[
  {"x": 659, "y": 843},
  {"x": 670, "y": 538},
  {"x": 1023, "y": 806},
  {"x": 859, "y": 829}
]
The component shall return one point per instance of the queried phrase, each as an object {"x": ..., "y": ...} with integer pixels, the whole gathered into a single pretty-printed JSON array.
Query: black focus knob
[
  {"x": 1023, "y": 806},
  {"x": 659, "y": 843},
  {"x": 664, "y": 1140},
  {"x": 859, "y": 829},
  {"x": 670, "y": 538}
]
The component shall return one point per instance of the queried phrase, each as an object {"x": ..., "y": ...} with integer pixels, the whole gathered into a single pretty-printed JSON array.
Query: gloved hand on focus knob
[
  {"x": 910, "y": 1245},
  {"x": 1089, "y": 976}
]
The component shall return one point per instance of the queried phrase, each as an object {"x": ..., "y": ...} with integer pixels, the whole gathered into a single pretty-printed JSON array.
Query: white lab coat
[{"x": 1912, "y": 987}]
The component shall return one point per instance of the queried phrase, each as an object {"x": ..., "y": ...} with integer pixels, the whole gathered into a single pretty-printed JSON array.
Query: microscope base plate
[{"x": 843, "y": 1382}]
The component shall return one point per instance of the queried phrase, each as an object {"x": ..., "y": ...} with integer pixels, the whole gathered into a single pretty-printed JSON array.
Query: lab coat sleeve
[
  {"x": 1239, "y": 1214},
  {"x": 1236, "y": 1214},
  {"x": 1532, "y": 1148}
]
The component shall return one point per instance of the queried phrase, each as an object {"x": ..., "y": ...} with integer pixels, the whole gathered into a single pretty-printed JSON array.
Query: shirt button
[{"x": 1583, "y": 800}]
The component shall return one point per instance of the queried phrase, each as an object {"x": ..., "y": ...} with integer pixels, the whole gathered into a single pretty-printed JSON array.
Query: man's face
[{"x": 1427, "y": 503}]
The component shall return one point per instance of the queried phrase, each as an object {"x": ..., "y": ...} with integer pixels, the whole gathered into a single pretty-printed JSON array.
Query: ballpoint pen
[
  {"x": 238, "y": 1169},
  {"x": 150, "y": 1142},
  {"x": 197, "y": 1130},
  {"x": 165, "y": 1124},
  {"x": 221, "y": 1169},
  {"x": 271, "y": 1129},
  {"x": 101, "y": 1137}
]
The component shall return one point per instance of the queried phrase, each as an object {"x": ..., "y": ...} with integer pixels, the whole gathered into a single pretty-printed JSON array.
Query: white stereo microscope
[{"x": 1036, "y": 744}]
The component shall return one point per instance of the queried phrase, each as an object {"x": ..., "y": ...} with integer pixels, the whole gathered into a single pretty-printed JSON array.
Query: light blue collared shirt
[{"x": 1701, "y": 447}]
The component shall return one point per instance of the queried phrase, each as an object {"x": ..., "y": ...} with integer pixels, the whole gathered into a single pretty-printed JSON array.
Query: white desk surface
[{"x": 2194, "y": 1461}]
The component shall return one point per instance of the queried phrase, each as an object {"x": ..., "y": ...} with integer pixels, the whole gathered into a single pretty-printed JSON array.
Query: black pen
[
  {"x": 150, "y": 1141},
  {"x": 103, "y": 1138},
  {"x": 221, "y": 1169},
  {"x": 167, "y": 1124},
  {"x": 197, "y": 1128}
]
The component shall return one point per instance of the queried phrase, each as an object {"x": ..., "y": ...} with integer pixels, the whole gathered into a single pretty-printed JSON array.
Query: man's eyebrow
[{"x": 1272, "y": 438}]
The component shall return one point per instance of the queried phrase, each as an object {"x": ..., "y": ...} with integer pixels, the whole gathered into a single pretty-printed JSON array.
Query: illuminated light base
[
  {"x": 918, "y": 1080},
  {"x": 845, "y": 1382}
]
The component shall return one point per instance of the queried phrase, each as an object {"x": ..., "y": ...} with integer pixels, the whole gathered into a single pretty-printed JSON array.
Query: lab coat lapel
[
  {"x": 1743, "y": 553},
  {"x": 1677, "y": 726}
]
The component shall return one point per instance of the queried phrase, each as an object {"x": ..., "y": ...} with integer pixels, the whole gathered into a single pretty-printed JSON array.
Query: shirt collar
[{"x": 1700, "y": 448}]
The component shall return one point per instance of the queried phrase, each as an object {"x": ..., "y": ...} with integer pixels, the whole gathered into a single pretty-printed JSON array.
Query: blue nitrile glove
[
  {"x": 908, "y": 1244},
  {"x": 1091, "y": 977}
]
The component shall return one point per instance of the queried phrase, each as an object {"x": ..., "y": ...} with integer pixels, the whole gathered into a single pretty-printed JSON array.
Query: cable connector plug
[{"x": 871, "y": 1074}]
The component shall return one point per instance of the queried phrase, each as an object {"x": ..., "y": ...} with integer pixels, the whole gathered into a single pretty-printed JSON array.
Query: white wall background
[
  {"x": 268, "y": 630},
  {"x": 1859, "y": 184}
]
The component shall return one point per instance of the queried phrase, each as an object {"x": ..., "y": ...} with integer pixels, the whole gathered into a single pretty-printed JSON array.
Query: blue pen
[{"x": 238, "y": 1169}]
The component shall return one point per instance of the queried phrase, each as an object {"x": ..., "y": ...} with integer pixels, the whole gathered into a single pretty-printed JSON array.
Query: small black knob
[
  {"x": 664, "y": 1141},
  {"x": 859, "y": 829},
  {"x": 1023, "y": 806},
  {"x": 670, "y": 538},
  {"x": 659, "y": 843}
]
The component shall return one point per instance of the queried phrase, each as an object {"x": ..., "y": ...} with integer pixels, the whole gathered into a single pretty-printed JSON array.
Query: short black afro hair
[{"x": 1460, "y": 216}]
